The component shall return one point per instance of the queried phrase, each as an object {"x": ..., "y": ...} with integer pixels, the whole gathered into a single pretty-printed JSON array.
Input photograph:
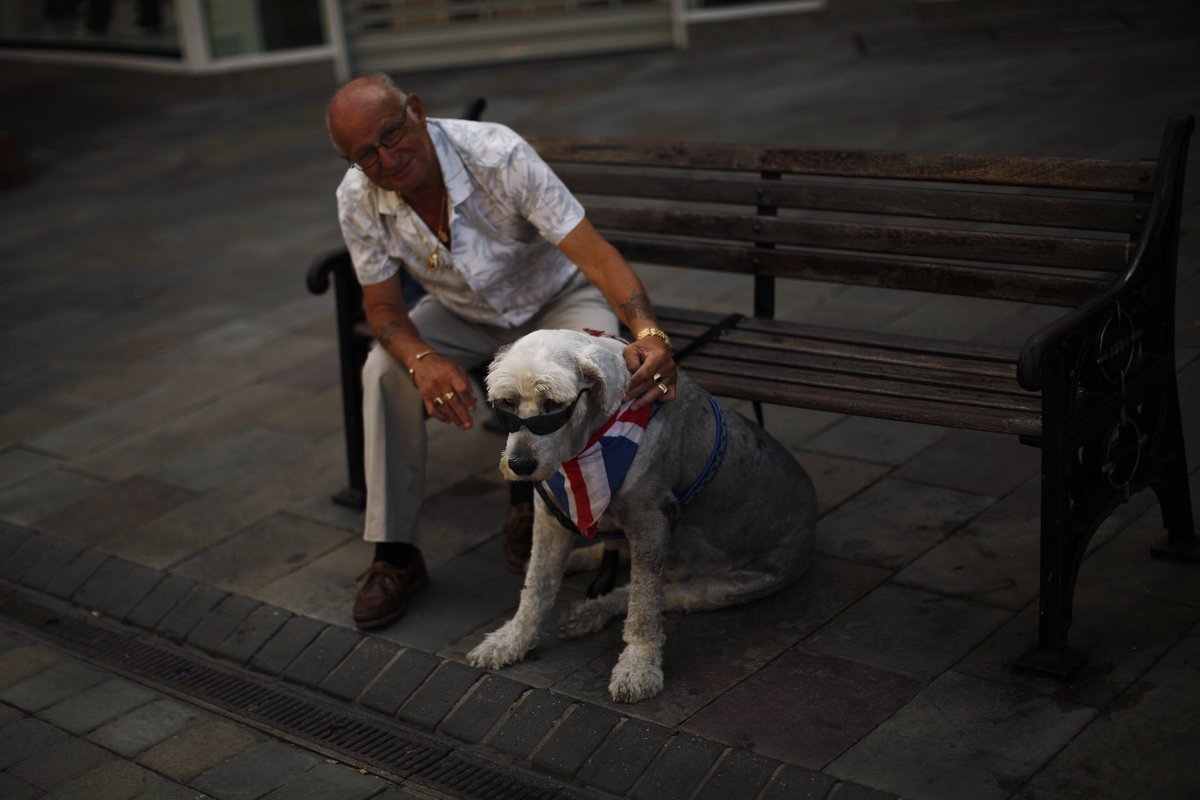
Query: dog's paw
[
  {"x": 499, "y": 649},
  {"x": 638, "y": 674},
  {"x": 583, "y": 618}
]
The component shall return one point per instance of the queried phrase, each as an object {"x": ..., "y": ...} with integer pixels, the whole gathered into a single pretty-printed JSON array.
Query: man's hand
[
  {"x": 446, "y": 390},
  {"x": 653, "y": 367}
]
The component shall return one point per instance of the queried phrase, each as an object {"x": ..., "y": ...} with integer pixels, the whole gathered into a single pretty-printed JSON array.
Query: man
[{"x": 471, "y": 212}]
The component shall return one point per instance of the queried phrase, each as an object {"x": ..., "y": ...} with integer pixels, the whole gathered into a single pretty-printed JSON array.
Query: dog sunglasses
[{"x": 540, "y": 425}]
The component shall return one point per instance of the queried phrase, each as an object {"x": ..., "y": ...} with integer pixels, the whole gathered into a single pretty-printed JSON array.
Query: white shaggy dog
[{"x": 748, "y": 532}]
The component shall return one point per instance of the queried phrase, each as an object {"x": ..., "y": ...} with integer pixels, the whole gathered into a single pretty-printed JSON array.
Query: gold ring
[
  {"x": 448, "y": 396},
  {"x": 439, "y": 402},
  {"x": 657, "y": 377},
  {"x": 662, "y": 387}
]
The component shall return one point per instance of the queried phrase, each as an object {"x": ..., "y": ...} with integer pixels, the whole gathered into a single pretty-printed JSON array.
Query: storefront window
[
  {"x": 242, "y": 27},
  {"x": 139, "y": 27}
]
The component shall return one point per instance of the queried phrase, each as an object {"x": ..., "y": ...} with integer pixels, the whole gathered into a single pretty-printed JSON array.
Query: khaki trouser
[{"x": 394, "y": 414}]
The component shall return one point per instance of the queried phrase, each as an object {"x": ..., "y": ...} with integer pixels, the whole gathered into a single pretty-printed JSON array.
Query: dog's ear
[{"x": 605, "y": 370}]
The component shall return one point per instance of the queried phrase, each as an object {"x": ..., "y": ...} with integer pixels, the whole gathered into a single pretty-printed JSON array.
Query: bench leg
[
  {"x": 1063, "y": 544},
  {"x": 1174, "y": 493}
]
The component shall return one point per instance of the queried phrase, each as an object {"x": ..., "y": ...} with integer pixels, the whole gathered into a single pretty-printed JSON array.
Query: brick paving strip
[{"x": 432, "y": 726}]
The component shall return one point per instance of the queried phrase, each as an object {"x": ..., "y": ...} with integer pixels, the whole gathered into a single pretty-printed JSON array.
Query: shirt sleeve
[
  {"x": 541, "y": 197},
  {"x": 363, "y": 233}
]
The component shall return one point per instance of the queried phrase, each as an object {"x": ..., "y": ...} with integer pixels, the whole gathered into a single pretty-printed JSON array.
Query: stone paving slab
[
  {"x": 11, "y": 537},
  {"x": 189, "y": 528},
  {"x": 351, "y": 677},
  {"x": 52, "y": 684},
  {"x": 145, "y": 727},
  {"x": 93, "y": 520},
  {"x": 191, "y": 609},
  {"x": 56, "y": 559},
  {"x": 622, "y": 758},
  {"x": 286, "y": 644},
  {"x": 572, "y": 742},
  {"x": 954, "y": 462},
  {"x": 72, "y": 576},
  {"x": 679, "y": 769},
  {"x": 1123, "y": 632},
  {"x": 219, "y": 623},
  {"x": 536, "y": 715},
  {"x": 876, "y": 441},
  {"x": 20, "y": 663},
  {"x": 196, "y": 749},
  {"x": 62, "y": 763},
  {"x": 190, "y": 386},
  {"x": 44, "y": 493},
  {"x": 244, "y": 642},
  {"x": 155, "y": 605},
  {"x": 254, "y": 772},
  {"x": 986, "y": 740},
  {"x": 228, "y": 459},
  {"x": 262, "y": 553},
  {"x": 172, "y": 442},
  {"x": 440, "y": 692},
  {"x": 29, "y": 552},
  {"x": 1134, "y": 749},
  {"x": 908, "y": 631},
  {"x": 480, "y": 710},
  {"x": 319, "y": 658},
  {"x": 918, "y": 518},
  {"x": 801, "y": 708},
  {"x": 17, "y": 464},
  {"x": 399, "y": 680},
  {"x": 86, "y": 710},
  {"x": 738, "y": 774}
]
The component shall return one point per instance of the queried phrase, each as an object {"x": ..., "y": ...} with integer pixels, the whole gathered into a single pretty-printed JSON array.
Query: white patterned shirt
[{"x": 508, "y": 211}]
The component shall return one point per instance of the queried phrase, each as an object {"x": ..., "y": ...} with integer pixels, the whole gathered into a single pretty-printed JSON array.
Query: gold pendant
[{"x": 435, "y": 261}]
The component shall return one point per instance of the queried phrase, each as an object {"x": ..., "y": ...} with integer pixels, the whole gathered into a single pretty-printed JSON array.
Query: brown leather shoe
[
  {"x": 383, "y": 597},
  {"x": 518, "y": 538}
]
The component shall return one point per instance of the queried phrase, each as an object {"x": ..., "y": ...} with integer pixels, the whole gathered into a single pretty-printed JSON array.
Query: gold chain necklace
[{"x": 435, "y": 257}]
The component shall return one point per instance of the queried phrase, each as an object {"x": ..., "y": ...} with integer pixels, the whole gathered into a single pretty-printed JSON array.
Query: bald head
[{"x": 359, "y": 101}]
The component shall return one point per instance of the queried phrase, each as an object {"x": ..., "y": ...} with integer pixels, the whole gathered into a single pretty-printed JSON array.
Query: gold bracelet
[
  {"x": 413, "y": 369},
  {"x": 644, "y": 332}
]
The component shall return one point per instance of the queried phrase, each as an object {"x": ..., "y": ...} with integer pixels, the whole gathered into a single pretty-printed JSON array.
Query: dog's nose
[{"x": 522, "y": 465}]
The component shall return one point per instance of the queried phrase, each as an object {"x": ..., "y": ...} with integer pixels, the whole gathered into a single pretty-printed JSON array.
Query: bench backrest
[{"x": 1052, "y": 231}]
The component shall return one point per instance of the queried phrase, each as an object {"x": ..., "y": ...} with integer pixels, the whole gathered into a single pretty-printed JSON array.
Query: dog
[{"x": 747, "y": 531}]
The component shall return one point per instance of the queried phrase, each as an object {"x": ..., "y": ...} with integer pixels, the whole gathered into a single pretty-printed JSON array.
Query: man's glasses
[
  {"x": 369, "y": 158},
  {"x": 540, "y": 425}
]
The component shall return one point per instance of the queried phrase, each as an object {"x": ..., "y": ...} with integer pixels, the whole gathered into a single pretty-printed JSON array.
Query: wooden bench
[{"x": 1095, "y": 390}]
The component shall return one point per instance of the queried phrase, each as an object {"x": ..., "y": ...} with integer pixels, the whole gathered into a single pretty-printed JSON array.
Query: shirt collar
[{"x": 454, "y": 173}]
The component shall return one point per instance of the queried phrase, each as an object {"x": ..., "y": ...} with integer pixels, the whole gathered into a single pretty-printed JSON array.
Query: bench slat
[
  {"x": 1003, "y": 358},
  {"x": 963, "y": 205},
  {"x": 949, "y": 373},
  {"x": 836, "y": 357},
  {"x": 965, "y": 394},
  {"x": 855, "y": 403},
  {"x": 892, "y": 272},
  {"x": 1058, "y": 173},
  {"x": 1008, "y": 248}
]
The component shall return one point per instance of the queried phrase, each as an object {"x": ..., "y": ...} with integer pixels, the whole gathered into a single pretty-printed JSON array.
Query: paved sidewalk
[
  {"x": 170, "y": 436},
  {"x": 71, "y": 730}
]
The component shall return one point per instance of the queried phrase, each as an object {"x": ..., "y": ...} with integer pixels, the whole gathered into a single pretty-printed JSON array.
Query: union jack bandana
[{"x": 585, "y": 484}]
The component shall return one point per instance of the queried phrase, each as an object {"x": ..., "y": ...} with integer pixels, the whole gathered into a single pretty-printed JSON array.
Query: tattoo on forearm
[
  {"x": 637, "y": 307},
  {"x": 387, "y": 330}
]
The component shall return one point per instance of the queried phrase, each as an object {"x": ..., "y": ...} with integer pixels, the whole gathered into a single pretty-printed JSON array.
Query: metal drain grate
[{"x": 375, "y": 745}]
